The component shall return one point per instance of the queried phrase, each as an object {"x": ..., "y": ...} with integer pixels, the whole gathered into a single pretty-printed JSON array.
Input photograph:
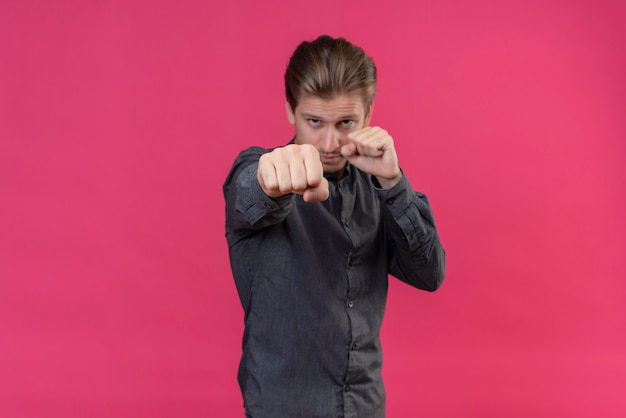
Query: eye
[
  {"x": 346, "y": 123},
  {"x": 314, "y": 122}
]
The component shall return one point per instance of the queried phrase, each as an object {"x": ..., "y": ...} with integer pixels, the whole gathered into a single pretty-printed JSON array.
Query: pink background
[{"x": 119, "y": 121}]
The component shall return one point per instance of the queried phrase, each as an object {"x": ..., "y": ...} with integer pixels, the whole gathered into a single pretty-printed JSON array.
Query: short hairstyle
[{"x": 327, "y": 67}]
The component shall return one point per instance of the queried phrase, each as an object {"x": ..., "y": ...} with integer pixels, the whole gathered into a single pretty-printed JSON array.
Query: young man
[{"x": 314, "y": 228}]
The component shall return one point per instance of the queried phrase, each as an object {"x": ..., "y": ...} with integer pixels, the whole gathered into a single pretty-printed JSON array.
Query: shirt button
[
  {"x": 390, "y": 201},
  {"x": 350, "y": 304},
  {"x": 354, "y": 346},
  {"x": 347, "y": 388},
  {"x": 345, "y": 223}
]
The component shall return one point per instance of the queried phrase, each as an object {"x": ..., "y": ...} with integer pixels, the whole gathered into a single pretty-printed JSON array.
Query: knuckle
[{"x": 308, "y": 150}]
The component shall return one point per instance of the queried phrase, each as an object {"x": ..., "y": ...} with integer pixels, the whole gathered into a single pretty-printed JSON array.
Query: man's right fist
[{"x": 293, "y": 169}]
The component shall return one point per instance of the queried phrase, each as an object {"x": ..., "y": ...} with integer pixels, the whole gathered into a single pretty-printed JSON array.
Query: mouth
[{"x": 330, "y": 158}]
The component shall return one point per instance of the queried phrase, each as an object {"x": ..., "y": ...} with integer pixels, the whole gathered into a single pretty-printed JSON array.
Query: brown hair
[{"x": 327, "y": 67}]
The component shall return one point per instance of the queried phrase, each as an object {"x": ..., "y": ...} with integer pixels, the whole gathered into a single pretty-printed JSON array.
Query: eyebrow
[{"x": 343, "y": 117}]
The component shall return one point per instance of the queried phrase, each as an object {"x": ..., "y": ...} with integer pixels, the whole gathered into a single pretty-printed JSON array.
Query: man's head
[
  {"x": 328, "y": 67},
  {"x": 330, "y": 86}
]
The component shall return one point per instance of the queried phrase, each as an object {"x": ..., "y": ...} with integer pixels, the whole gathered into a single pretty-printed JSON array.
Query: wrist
[{"x": 388, "y": 183}]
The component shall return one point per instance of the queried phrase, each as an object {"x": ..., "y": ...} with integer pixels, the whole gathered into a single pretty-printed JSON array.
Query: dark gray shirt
[{"x": 312, "y": 279}]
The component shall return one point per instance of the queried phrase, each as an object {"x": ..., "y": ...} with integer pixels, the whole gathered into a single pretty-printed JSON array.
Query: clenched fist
[
  {"x": 371, "y": 150},
  {"x": 293, "y": 169}
]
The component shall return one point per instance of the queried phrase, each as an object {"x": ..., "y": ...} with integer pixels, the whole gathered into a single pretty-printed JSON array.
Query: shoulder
[
  {"x": 251, "y": 152},
  {"x": 254, "y": 152}
]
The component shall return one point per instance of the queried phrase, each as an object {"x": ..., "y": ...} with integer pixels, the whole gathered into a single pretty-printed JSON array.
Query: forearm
[
  {"x": 248, "y": 208},
  {"x": 416, "y": 255}
]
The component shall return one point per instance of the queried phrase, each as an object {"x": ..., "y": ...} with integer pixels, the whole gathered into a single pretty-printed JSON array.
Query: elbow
[
  {"x": 437, "y": 272},
  {"x": 436, "y": 283}
]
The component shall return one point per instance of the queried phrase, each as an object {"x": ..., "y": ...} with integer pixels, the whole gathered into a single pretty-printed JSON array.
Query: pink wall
[{"x": 119, "y": 121}]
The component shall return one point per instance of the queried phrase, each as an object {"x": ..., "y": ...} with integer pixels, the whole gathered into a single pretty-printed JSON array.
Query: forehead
[{"x": 337, "y": 107}]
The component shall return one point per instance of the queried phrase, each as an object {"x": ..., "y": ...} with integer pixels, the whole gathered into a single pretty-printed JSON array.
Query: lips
[{"x": 327, "y": 158}]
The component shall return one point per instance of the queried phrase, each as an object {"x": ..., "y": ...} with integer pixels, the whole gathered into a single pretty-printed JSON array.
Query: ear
[
  {"x": 368, "y": 115},
  {"x": 290, "y": 115}
]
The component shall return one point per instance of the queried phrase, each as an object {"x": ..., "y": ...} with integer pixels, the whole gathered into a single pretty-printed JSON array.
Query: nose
[{"x": 330, "y": 140}]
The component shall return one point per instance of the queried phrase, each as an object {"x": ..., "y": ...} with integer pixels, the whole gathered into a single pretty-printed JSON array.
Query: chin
[{"x": 334, "y": 168}]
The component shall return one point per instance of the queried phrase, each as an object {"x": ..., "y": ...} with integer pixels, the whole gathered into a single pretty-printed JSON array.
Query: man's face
[{"x": 326, "y": 123}]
